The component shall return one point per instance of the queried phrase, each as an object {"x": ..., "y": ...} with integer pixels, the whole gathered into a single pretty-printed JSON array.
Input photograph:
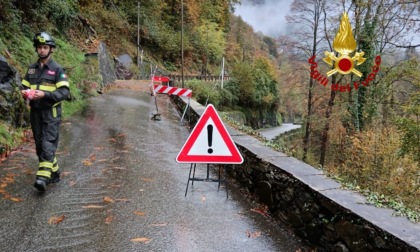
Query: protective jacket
[
  {"x": 46, "y": 112},
  {"x": 50, "y": 79}
]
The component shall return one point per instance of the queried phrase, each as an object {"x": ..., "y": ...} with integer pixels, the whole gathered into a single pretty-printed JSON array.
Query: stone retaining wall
[
  {"x": 310, "y": 203},
  {"x": 106, "y": 65}
]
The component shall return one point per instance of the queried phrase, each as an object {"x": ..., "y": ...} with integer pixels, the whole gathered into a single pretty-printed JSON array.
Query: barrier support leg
[
  {"x": 207, "y": 179},
  {"x": 189, "y": 178},
  {"x": 156, "y": 116},
  {"x": 185, "y": 111}
]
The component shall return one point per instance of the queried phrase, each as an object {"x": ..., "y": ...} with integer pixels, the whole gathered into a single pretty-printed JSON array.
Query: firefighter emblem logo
[{"x": 345, "y": 44}]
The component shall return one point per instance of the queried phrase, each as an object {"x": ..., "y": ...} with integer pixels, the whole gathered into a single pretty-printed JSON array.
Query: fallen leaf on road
[
  {"x": 108, "y": 220},
  {"x": 262, "y": 210},
  {"x": 16, "y": 199},
  {"x": 203, "y": 198},
  {"x": 108, "y": 199},
  {"x": 141, "y": 239},
  {"x": 10, "y": 168},
  {"x": 147, "y": 179},
  {"x": 56, "y": 219},
  {"x": 119, "y": 168},
  {"x": 122, "y": 200},
  {"x": 6, "y": 195},
  {"x": 139, "y": 213},
  {"x": 92, "y": 206},
  {"x": 253, "y": 235},
  {"x": 86, "y": 162},
  {"x": 112, "y": 140},
  {"x": 65, "y": 174},
  {"x": 72, "y": 183},
  {"x": 10, "y": 178},
  {"x": 92, "y": 157},
  {"x": 28, "y": 171}
]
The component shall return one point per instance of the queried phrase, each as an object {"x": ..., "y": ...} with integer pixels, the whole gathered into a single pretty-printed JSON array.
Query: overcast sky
[{"x": 268, "y": 18}]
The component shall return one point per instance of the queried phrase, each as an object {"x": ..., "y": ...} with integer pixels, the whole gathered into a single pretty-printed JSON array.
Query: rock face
[
  {"x": 106, "y": 66},
  {"x": 12, "y": 108},
  {"x": 123, "y": 65}
]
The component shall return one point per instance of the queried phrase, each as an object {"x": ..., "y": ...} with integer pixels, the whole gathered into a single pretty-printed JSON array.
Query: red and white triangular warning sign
[{"x": 209, "y": 142}]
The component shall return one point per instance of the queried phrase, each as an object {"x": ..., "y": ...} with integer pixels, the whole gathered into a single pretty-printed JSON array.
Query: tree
[
  {"x": 210, "y": 41},
  {"x": 382, "y": 27},
  {"x": 308, "y": 14}
]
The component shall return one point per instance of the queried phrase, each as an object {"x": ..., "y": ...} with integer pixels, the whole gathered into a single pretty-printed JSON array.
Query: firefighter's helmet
[{"x": 43, "y": 38}]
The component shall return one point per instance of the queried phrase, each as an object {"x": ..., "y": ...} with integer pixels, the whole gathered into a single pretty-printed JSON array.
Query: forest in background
[{"x": 369, "y": 139}]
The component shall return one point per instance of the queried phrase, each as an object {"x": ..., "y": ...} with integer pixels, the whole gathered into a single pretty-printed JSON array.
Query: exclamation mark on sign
[{"x": 210, "y": 137}]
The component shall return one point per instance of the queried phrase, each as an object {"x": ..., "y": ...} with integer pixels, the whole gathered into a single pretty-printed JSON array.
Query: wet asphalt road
[
  {"x": 272, "y": 133},
  {"x": 122, "y": 190}
]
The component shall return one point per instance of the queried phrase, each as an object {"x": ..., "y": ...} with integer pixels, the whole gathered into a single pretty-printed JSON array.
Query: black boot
[
  {"x": 55, "y": 177},
  {"x": 41, "y": 183}
]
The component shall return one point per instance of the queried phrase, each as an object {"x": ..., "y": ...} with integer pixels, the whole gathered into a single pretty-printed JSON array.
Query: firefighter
[{"x": 45, "y": 85}]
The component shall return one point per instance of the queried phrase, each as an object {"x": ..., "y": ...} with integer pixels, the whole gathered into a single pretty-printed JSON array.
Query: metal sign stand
[
  {"x": 155, "y": 116},
  {"x": 185, "y": 111},
  {"x": 207, "y": 179}
]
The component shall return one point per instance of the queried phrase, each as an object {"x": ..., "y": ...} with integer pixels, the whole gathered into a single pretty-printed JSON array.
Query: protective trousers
[{"x": 45, "y": 128}]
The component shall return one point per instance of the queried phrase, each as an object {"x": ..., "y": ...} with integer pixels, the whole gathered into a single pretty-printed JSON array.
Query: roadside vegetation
[{"x": 368, "y": 139}]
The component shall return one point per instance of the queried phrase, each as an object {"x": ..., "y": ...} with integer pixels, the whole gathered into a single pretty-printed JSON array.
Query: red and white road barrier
[
  {"x": 172, "y": 90},
  {"x": 161, "y": 78}
]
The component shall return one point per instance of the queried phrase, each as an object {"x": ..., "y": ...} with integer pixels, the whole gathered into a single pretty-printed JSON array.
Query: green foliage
[
  {"x": 272, "y": 46},
  {"x": 73, "y": 61},
  {"x": 21, "y": 51},
  {"x": 233, "y": 122},
  {"x": 360, "y": 110},
  {"x": 61, "y": 13},
  {"x": 243, "y": 82},
  {"x": 10, "y": 137},
  {"x": 204, "y": 92},
  {"x": 266, "y": 93},
  {"x": 163, "y": 41},
  {"x": 210, "y": 40},
  {"x": 410, "y": 127},
  {"x": 255, "y": 87},
  {"x": 229, "y": 96},
  {"x": 5, "y": 137},
  {"x": 42, "y": 14},
  {"x": 10, "y": 19},
  {"x": 371, "y": 160},
  {"x": 380, "y": 200}
]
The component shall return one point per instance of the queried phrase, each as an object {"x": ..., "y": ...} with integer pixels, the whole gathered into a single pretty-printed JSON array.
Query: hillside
[{"x": 210, "y": 31}]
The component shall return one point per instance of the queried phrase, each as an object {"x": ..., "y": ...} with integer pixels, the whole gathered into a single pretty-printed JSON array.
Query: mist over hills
[{"x": 266, "y": 16}]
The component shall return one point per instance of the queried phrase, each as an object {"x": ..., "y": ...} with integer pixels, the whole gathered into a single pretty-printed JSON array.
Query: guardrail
[{"x": 178, "y": 78}]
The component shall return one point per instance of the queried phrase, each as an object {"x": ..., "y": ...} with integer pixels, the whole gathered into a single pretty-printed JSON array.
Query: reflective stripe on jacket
[{"x": 51, "y": 79}]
